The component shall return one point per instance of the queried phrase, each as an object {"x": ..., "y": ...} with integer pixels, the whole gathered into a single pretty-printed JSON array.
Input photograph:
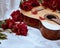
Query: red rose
[
  {"x": 46, "y": 0},
  {"x": 34, "y": 3},
  {"x": 4, "y": 26},
  {"x": 10, "y": 23},
  {"x": 58, "y": 4},
  {"x": 17, "y": 16},
  {"x": 24, "y": 29},
  {"x": 20, "y": 29},
  {"x": 46, "y": 3},
  {"x": 26, "y": 6},
  {"x": 58, "y": 7},
  {"x": 33, "y": 0},
  {"x": 52, "y": 4}
]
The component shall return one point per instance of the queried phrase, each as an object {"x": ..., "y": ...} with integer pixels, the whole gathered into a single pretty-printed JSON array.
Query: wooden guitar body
[{"x": 48, "y": 28}]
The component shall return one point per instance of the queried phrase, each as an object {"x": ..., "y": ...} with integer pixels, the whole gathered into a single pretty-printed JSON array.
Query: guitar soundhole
[{"x": 50, "y": 17}]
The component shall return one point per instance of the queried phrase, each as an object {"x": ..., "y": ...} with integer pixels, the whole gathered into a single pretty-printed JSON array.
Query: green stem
[
  {"x": 0, "y": 42},
  {"x": 1, "y": 22},
  {"x": 2, "y": 36},
  {"x": 40, "y": 1}
]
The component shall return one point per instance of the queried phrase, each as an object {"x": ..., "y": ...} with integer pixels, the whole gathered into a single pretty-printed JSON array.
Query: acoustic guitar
[{"x": 46, "y": 20}]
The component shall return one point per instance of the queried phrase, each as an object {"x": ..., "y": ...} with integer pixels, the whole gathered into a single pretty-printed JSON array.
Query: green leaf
[
  {"x": 1, "y": 22},
  {"x": 2, "y": 36},
  {"x": 9, "y": 30},
  {"x": 40, "y": 1}
]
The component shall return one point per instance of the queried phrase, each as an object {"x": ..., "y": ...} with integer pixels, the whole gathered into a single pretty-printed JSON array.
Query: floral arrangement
[
  {"x": 28, "y": 5},
  {"x": 51, "y": 4},
  {"x": 15, "y": 24}
]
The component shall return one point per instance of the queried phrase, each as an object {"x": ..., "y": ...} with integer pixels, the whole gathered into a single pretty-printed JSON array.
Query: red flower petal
[
  {"x": 20, "y": 29},
  {"x": 4, "y": 26},
  {"x": 42, "y": 18},
  {"x": 26, "y": 6},
  {"x": 35, "y": 12},
  {"x": 17, "y": 16},
  {"x": 52, "y": 4}
]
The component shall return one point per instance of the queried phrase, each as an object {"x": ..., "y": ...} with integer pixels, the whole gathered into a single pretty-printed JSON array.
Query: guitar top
[{"x": 45, "y": 14}]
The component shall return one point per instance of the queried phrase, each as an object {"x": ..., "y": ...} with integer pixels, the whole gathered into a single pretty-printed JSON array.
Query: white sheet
[{"x": 34, "y": 39}]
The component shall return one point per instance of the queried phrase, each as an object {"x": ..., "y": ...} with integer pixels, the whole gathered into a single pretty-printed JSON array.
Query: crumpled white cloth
[
  {"x": 6, "y": 6},
  {"x": 34, "y": 39}
]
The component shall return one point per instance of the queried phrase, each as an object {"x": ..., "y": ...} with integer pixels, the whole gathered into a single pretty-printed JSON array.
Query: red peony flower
[
  {"x": 17, "y": 16},
  {"x": 20, "y": 29},
  {"x": 26, "y": 6}
]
